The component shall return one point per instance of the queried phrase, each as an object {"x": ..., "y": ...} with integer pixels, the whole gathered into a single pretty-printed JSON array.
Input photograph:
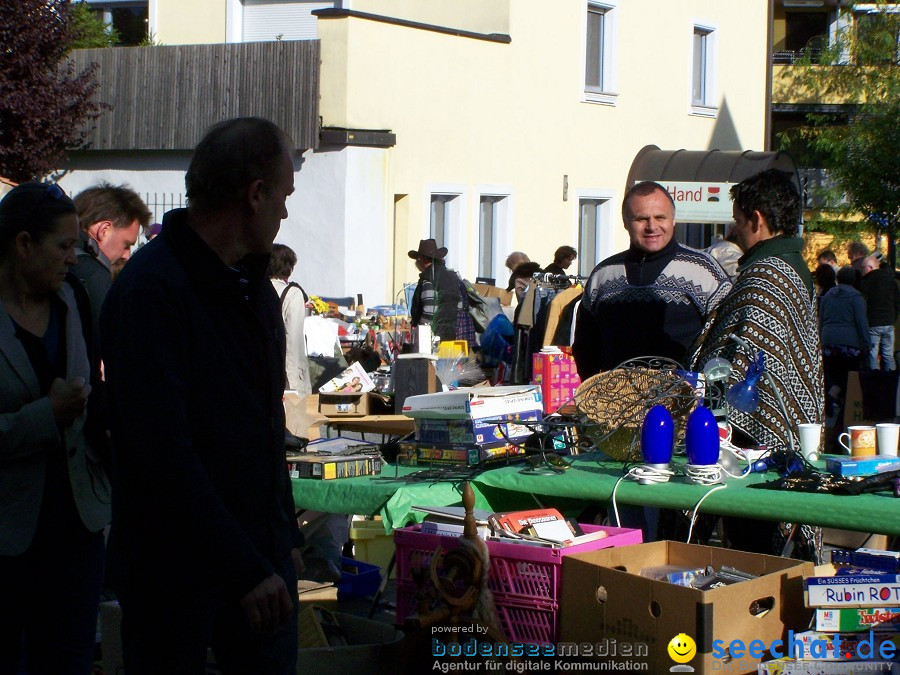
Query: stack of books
[
  {"x": 538, "y": 527},
  {"x": 471, "y": 426},
  {"x": 856, "y": 601}
]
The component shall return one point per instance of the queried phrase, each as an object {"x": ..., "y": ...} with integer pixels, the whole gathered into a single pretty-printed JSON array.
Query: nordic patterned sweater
[{"x": 645, "y": 304}]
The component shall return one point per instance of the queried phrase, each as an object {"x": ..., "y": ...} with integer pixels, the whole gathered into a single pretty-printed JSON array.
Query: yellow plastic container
[
  {"x": 371, "y": 544},
  {"x": 453, "y": 348}
]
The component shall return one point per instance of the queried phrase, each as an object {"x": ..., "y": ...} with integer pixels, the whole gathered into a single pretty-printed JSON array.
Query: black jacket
[
  {"x": 194, "y": 355},
  {"x": 445, "y": 284},
  {"x": 879, "y": 288}
]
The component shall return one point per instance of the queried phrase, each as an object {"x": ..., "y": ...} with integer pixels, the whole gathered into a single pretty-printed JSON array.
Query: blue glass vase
[{"x": 701, "y": 437}]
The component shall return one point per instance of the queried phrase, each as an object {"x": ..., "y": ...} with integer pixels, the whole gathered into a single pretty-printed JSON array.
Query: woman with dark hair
[{"x": 54, "y": 493}]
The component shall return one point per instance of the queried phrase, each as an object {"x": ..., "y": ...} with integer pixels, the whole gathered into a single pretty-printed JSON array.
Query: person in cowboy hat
[{"x": 437, "y": 295}]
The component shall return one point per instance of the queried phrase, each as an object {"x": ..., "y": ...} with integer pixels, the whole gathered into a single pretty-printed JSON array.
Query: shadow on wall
[{"x": 725, "y": 135}]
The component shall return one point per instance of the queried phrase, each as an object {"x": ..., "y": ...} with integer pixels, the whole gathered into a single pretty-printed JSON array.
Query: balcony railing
[{"x": 787, "y": 57}]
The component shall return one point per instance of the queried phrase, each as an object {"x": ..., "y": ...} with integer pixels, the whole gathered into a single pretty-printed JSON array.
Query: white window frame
[
  {"x": 455, "y": 235},
  {"x": 708, "y": 107},
  {"x": 608, "y": 93},
  {"x": 234, "y": 21},
  {"x": 502, "y": 235},
  {"x": 604, "y": 236}
]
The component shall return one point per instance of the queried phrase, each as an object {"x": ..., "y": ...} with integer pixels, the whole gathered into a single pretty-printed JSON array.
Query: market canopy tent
[{"x": 699, "y": 180}]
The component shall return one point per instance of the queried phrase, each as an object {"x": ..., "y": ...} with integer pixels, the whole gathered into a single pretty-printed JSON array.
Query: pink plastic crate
[{"x": 526, "y": 580}]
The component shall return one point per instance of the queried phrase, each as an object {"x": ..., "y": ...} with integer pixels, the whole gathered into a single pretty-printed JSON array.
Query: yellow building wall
[
  {"x": 471, "y": 112},
  {"x": 479, "y": 16},
  {"x": 190, "y": 22}
]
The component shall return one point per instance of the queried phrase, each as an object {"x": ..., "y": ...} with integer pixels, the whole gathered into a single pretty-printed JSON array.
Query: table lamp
[
  {"x": 701, "y": 437},
  {"x": 657, "y": 439},
  {"x": 744, "y": 395}
]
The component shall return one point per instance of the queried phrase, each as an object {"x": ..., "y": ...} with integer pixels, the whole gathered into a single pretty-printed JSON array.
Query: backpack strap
[{"x": 293, "y": 284}]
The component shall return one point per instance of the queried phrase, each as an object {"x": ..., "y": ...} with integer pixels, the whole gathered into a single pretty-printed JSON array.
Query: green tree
[
  {"x": 861, "y": 150},
  {"x": 90, "y": 30},
  {"x": 44, "y": 104}
]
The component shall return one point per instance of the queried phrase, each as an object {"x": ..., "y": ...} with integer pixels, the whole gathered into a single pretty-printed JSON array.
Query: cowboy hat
[{"x": 428, "y": 248}]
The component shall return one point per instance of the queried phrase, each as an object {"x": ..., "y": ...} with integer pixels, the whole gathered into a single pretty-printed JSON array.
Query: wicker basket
[{"x": 616, "y": 401}]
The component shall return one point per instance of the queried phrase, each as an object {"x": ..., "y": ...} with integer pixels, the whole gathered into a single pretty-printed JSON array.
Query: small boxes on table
[
  {"x": 415, "y": 453},
  {"x": 557, "y": 376},
  {"x": 471, "y": 426}
]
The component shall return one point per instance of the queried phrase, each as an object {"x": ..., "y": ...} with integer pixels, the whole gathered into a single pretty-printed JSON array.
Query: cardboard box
[
  {"x": 332, "y": 467},
  {"x": 352, "y": 405},
  {"x": 817, "y": 667},
  {"x": 853, "y": 590},
  {"x": 474, "y": 402},
  {"x": 857, "y": 619},
  {"x": 557, "y": 377},
  {"x": 860, "y": 466},
  {"x": 818, "y": 645},
  {"x": 315, "y": 593},
  {"x": 605, "y": 598},
  {"x": 413, "y": 453},
  {"x": 479, "y": 431}
]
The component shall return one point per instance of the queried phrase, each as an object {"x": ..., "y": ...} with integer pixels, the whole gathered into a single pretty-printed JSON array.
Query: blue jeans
[{"x": 881, "y": 340}]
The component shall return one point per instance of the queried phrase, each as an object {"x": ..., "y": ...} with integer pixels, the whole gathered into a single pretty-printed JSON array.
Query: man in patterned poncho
[{"x": 772, "y": 307}]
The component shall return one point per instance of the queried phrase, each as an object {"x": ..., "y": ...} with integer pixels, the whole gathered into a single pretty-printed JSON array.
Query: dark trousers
[
  {"x": 168, "y": 632},
  {"x": 49, "y": 594}
]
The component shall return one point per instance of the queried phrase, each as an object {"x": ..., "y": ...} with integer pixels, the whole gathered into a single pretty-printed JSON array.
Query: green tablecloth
[
  {"x": 593, "y": 480},
  {"x": 386, "y": 495}
]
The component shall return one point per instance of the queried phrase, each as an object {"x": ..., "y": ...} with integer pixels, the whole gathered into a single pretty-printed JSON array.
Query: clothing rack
[{"x": 536, "y": 327}]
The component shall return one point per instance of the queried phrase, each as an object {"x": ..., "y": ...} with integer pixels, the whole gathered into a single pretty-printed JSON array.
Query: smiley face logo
[{"x": 682, "y": 648}]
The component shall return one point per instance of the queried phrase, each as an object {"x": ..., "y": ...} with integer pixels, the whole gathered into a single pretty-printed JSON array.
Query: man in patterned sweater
[{"x": 650, "y": 300}]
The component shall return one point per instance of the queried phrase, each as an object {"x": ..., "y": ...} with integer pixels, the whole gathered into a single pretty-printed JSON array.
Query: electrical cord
[
  {"x": 643, "y": 473},
  {"x": 696, "y": 510}
]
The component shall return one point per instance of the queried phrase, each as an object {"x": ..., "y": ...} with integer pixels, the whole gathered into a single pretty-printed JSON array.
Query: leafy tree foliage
[
  {"x": 861, "y": 151},
  {"x": 44, "y": 104},
  {"x": 91, "y": 31}
]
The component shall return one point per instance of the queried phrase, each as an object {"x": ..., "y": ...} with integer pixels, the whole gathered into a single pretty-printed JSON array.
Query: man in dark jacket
[
  {"x": 110, "y": 216},
  {"x": 437, "y": 296},
  {"x": 879, "y": 288},
  {"x": 204, "y": 535}
]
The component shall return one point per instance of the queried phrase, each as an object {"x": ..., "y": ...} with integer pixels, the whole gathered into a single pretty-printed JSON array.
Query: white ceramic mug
[
  {"x": 810, "y": 436},
  {"x": 888, "y": 436},
  {"x": 860, "y": 441}
]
